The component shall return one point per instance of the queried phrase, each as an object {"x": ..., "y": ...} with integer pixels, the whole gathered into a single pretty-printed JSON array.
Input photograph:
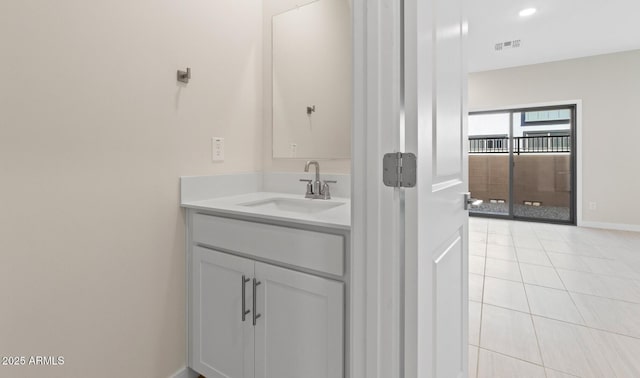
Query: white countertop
[{"x": 336, "y": 217}]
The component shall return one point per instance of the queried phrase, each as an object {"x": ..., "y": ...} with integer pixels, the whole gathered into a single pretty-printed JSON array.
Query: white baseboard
[
  {"x": 185, "y": 372},
  {"x": 611, "y": 226}
]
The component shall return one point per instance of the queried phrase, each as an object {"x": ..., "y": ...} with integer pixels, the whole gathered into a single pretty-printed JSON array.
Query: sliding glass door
[
  {"x": 522, "y": 163},
  {"x": 489, "y": 173}
]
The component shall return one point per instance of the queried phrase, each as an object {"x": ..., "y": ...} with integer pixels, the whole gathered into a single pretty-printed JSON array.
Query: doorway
[{"x": 522, "y": 163}]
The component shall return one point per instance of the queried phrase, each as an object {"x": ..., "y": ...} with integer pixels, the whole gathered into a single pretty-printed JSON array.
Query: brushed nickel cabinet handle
[
  {"x": 255, "y": 297},
  {"x": 244, "y": 303}
]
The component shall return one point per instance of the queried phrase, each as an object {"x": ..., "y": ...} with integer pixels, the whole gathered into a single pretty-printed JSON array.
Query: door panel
[
  {"x": 436, "y": 222},
  {"x": 448, "y": 276},
  {"x": 414, "y": 240},
  {"x": 448, "y": 97},
  {"x": 300, "y": 331},
  {"x": 542, "y": 165},
  {"x": 222, "y": 343}
]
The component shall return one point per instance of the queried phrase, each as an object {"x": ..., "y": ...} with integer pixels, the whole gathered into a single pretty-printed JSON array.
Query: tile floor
[{"x": 552, "y": 301}]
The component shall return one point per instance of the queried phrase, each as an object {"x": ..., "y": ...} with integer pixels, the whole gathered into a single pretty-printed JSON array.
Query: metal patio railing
[{"x": 521, "y": 145}]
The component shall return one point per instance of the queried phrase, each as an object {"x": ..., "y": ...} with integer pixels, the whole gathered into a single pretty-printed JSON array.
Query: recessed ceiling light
[{"x": 527, "y": 12}]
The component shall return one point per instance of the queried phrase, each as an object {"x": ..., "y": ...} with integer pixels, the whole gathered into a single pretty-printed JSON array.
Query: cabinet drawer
[{"x": 306, "y": 249}]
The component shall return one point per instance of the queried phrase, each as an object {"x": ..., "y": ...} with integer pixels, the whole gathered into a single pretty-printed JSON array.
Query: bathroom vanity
[{"x": 268, "y": 277}]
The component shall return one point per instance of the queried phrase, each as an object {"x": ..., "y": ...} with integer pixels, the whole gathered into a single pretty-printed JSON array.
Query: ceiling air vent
[{"x": 507, "y": 45}]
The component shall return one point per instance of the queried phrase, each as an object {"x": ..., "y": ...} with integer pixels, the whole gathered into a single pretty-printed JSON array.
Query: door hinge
[{"x": 399, "y": 170}]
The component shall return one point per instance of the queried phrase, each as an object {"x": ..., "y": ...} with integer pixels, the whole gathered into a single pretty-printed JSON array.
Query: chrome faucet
[
  {"x": 315, "y": 188},
  {"x": 316, "y": 183}
]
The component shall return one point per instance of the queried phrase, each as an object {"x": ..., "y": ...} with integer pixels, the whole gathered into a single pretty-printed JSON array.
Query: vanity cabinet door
[
  {"x": 221, "y": 342},
  {"x": 300, "y": 330}
]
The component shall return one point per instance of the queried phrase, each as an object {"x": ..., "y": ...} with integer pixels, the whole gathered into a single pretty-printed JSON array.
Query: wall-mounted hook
[
  {"x": 311, "y": 109},
  {"x": 184, "y": 76}
]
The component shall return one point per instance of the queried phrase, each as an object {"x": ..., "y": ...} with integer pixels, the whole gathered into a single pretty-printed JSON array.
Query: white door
[
  {"x": 300, "y": 329},
  {"x": 222, "y": 343},
  {"x": 436, "y": 219},
  {"x": 410, "y": 96}
]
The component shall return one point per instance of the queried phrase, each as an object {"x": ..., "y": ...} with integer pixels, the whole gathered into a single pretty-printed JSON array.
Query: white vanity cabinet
[
  {"x": 300, "y": 333},
  {"x": 222, "y": 344},
  {"x": 256, "y": 313}
]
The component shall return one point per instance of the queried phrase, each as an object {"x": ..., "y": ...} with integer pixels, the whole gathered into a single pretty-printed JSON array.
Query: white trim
[
  {"x": 359, "y": 331},
  {"x": 579, "y": 178},
  {"x": 185, "y": 372},
  {"x": 612, "y": 226},
  {"x": 579, "y": 152},
  {"x": 376, "y": 110}
]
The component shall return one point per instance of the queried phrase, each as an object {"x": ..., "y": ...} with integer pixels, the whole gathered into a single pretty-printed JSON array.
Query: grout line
[
  {"x": 596, "y": 274},
  {"x": 484, "y": 280},
  {"x": 561, "y": 372},
  {"x": 560, "y": 320},
  {"x": 591, "y": 294},
  {"x": 535, "y": 332},
  {"x": 566, "y": 239},
  {"x": 595, "y": 327},
  {"x": 580, "y": 255},
  {"x": 506, "y": 355}
]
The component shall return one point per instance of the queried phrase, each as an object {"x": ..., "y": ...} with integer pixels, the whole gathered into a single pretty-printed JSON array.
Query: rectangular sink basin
[{"x": 292, "y": 205}]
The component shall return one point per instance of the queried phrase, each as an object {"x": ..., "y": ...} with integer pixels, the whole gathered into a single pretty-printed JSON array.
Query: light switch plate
[{"x": 217, "y": 149}]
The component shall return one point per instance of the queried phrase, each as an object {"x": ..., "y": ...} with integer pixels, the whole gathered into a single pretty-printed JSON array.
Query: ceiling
[{"x": 561, "y": 29}]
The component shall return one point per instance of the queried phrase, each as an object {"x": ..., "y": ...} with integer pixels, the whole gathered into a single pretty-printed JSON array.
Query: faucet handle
[
  {"x": 326, "y": 192},
  {"x": 309, "y": 193}
]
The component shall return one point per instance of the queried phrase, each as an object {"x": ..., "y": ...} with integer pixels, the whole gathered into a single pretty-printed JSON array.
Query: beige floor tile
[
  {"x": 571, "y": 248},
  {"x": 477, "y": 227},
  {"x": 570, "y": 348},
  {"x": 621, "y": 351},
  {"x": 501, "y": 252},
  {"x": 526, "y": 241},
  {"x": 540, "y": 275},
  {"x": 556, "y": 374},
  {"x": 475, "y": 309},
  {"x": 508, "y": 270},
  {"x": 473, "y": 361},
  {"x": 500, "y": 227},
  {"x": 478, "y": 249},
  {"x": 582, "y": 282},
  {"x": 558, "y": 246},
  {"x": 574, "y": 278},
  {"x": 499, "y": 239},
  {"x": 548, "y": 234},
  {"x": 568, "y": 262},
  {"x": 494, "y": 365},
  {"x": 552, "y": 303},
  {"x": 610, "y": 267},
  {"x": 509, "y": 332},
  {"x": 477, "y": 237},
  {"x": 504, "y": 293},
  {"x": 532, "y": 256},
  {"x": 604, "y": 286},
  {"x": 476, "y": 264},
  {"x": 476, "y": 282},
  {"x": 609, "y": 314}
]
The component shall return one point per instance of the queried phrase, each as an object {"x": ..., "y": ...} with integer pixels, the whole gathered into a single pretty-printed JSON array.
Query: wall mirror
[{"x": 311, "y": 100}]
